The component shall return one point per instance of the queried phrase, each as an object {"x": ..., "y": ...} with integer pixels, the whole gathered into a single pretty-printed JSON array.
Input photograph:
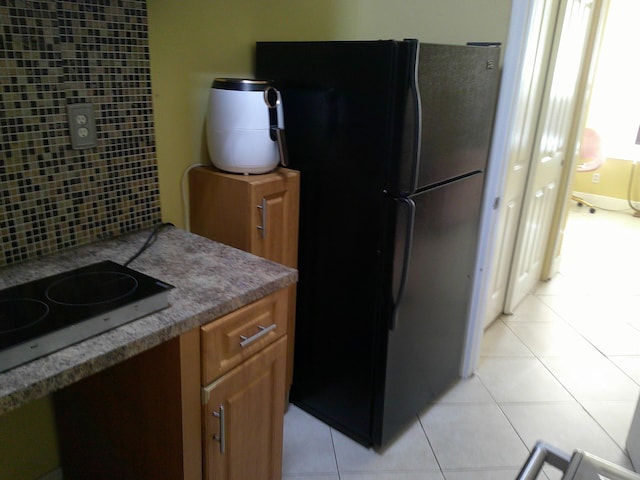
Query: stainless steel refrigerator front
[{"x": 391, "y": 139}]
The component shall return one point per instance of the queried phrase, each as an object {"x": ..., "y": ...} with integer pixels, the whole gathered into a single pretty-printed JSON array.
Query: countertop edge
[{"x": 248, "y": 278}]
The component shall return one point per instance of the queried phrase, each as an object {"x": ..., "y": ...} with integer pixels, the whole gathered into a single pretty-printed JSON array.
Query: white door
[
  {"x": 583, "y": 93},
  {"x": 529, "y": 90},
  {"x": 550, "y": 148}
]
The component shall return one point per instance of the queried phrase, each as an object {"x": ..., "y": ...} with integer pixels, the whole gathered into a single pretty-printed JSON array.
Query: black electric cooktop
[{"x": 45, "y": 315}]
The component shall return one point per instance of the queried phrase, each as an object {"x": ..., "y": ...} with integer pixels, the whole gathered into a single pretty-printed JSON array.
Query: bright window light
[{"x": 614, "y": 110}]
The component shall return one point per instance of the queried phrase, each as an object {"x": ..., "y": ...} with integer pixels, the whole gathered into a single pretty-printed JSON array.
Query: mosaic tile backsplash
[{"x": 55, "y": 53}]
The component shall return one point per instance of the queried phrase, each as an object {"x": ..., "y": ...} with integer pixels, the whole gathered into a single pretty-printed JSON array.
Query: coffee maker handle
[
  {"x": 282, "y": 146},
  {"x": 272, "y": 99}
]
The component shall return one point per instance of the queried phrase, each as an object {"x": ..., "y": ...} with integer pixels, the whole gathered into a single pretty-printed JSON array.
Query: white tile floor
[{"x": 564, "y": 368}]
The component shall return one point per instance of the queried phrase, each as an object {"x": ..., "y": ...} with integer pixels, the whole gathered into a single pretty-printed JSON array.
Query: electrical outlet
[
  {"x": 595, "y": 178},
  {"x": 82, "y": 125}
]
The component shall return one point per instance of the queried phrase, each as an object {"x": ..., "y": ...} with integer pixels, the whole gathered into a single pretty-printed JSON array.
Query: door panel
[
  {"x": 531, "y": 87},
  {"x": 502, "y": 260},
  {"x": 243, "y": 419},
  {"x": 540, "y": 206},
  {"x": 274, "y": 232},
  {"x": 551, "y": 148}
]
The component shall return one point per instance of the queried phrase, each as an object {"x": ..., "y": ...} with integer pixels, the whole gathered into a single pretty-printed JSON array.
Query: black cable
[{"x": 150, "y": 239}]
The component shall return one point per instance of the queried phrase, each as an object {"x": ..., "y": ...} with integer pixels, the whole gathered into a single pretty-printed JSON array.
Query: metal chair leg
[{"x": 543, "y": 453}]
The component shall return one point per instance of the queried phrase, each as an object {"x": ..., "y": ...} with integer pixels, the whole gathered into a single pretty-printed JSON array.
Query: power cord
[
  {"x": 150, "y": 240},
  {"x": 185, "y": 202},
  {"x": 185, "y": 198}
]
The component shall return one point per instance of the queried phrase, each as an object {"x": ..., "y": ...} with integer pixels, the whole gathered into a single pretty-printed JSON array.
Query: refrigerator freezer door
[
  {"x": 425, "y": 347},
  {"x": 458, "y": 90},
  {"x": 350, "y": 106}
]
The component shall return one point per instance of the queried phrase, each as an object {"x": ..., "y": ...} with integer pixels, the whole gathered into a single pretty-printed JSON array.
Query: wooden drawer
[{"x": 228, "y": 341}]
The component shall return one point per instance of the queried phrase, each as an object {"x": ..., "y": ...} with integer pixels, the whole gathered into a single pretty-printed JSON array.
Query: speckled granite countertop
[{"x": 211, "y": 279}]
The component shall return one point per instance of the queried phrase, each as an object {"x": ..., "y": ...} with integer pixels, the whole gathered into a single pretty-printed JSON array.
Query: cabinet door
[
  {"x": 255, "y": 213},
  {"x": 243, "y": 416},
  {"x": 275, "y": 222},
  {"x": 275, "y": 236}
]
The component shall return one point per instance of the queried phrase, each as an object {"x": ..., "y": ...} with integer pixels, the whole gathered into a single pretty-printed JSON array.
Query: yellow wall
[
  {"x": 614, "y": 180},
  {"x": 194, "y": 41}
]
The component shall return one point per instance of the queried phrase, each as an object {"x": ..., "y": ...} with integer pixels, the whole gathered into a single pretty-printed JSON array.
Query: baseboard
[
  {"x": 606, "y": 203},
  {"x": 53, "y": 475}
]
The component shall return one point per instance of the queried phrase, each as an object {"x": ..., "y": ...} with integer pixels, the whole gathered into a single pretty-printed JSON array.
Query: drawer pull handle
[
  {"x": 263, "y": 331},
  {"x": 222, "y": 437},
  {"x": 263, "y": 209}
]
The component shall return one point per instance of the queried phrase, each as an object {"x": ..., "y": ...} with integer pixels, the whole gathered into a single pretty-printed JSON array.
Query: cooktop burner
[
  {"x": 19, "y": 313},
  {"x": 45, "y": 315},
  {"x": 91, "y": 288}
]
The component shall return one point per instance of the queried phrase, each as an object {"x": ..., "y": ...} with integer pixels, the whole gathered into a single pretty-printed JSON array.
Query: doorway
[
  {"x": 549, "y": 166},
  {"x": 611, "y": 110},
  {"x": 617, "y": 5},
  {"x": 613, "y": 113},
  {"x": 534, "y": 129},
  {"x": 558, "y": 54}
]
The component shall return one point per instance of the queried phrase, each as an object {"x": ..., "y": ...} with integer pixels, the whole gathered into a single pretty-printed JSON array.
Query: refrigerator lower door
[{"x": 426, "y": 341}]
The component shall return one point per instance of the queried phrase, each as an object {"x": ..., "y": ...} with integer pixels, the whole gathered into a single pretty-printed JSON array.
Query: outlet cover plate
[{"x": 82, "y": 125}]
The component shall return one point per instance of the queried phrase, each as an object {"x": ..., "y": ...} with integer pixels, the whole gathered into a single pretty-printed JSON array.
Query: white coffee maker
[{"x": 245, "y": 126}]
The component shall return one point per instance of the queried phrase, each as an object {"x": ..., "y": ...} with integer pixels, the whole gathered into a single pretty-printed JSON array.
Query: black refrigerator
[{"x": 392, "y": 140}]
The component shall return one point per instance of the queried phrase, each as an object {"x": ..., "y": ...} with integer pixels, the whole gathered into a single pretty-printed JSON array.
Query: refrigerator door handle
[
  {"x": 414, "y": 90},
  {"x": 408, "y": 239}
]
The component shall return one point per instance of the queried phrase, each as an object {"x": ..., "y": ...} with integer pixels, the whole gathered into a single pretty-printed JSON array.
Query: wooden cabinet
[
  {"x": 243, "y": 392},
  {"x": 243, "y": 417},
  {"x": 255, "y": 213},
  {"x": 206, "y": 405}
]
